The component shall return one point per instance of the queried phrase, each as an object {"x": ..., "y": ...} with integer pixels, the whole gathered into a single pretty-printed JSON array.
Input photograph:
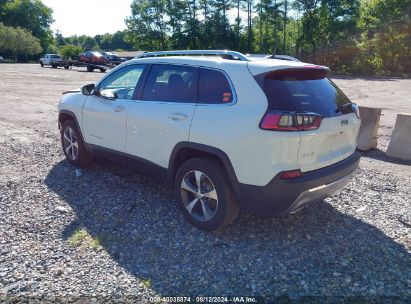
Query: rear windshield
[{"x": 303, "y": 91}]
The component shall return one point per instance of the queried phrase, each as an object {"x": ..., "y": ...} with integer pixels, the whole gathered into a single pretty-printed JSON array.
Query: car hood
[{"x": 78, "y": 90}]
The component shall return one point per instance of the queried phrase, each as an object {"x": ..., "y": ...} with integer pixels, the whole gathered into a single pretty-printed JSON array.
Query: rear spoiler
[{"x": 305, "y": 72}]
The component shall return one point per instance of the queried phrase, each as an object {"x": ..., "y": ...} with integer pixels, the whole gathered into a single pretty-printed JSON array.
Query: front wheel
[
  {"x": 41, "y": 64},
  {"x": 73, "y": 145},
  {"x": 205, "y": 195}
]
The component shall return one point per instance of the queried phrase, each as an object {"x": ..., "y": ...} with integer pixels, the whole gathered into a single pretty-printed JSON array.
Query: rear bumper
[{"x": 285, "y": 196}]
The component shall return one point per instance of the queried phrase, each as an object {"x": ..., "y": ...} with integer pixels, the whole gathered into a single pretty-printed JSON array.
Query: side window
[
  {"x": 121, "y": 83},
  {"x": 171, "y": 83},
  {"x": 213, "y": 87}
]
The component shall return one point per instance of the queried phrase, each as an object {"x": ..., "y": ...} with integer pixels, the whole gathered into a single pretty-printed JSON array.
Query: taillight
[
  {"x": 290, "y": 121},
  {"x": 290, "y": 174}
]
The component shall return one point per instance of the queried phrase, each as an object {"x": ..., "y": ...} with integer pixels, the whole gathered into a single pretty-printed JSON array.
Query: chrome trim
[
  {"x": 322, "y": 191},
  {"x": 234, "y": 54}
]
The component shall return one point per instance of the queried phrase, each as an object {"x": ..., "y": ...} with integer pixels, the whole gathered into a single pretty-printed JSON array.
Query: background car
[
  {"x": 113, "y": 58},
  {"x": 1, "y": 59},
  {"x": 92, "y": 57}
]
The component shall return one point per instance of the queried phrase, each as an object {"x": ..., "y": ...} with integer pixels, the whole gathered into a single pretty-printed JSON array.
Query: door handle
[
  {"x": 177, "y": 116},
  {"x": 119, "y": 109}
]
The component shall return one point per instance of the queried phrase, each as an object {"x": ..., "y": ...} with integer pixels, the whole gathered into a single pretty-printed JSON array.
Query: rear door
[
  {"x": 162, "y": 114},
  {"x": 305, "y": 91}
]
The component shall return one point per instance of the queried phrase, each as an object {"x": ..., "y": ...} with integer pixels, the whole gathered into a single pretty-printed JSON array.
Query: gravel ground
[{"x": 107, "y": 233}]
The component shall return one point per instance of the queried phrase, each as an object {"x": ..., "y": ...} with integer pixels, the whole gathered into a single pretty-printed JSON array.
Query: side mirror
[{"x": 88, "y": 89}]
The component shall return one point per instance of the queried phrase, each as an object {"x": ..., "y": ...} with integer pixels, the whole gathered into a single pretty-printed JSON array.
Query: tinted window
[
  {"x": 122, "y": 82},
  {"x": 171, "y": 83},
  {"x": 303, "y": 91},
  {"x": 213, "y": 87}
]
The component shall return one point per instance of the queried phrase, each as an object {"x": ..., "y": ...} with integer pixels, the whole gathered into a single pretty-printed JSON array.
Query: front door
[{"x": 105, "y": 112}]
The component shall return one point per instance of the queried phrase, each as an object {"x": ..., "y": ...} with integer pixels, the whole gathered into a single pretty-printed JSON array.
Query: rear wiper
[{"x": 344, "y": 107}]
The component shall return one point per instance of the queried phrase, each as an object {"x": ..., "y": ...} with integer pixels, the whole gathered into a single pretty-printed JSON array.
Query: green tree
[
  {"x": 70, "y": 51},
  {"x": 18, "y": 42},
  {"x": 31, "y": 15},
  {"x": 147, "y": 27}
]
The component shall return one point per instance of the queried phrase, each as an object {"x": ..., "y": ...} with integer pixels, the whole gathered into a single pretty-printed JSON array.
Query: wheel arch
[
  {"x": 65, "y": 115},
  {"x": 184, "y": 151}
]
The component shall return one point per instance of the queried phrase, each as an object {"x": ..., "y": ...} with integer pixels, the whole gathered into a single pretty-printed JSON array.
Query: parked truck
[
  {"x": 51, "y": 59},
  {"x": 55, "y": 61}
]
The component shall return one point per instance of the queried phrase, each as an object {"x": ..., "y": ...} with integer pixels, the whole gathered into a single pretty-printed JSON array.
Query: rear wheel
[
  {"x": 205, "y": 195},
  {"x": 73, "y": 145},
  {"x": 90, "y": 68},
  {"x": 102, "y": 70},
  {"x": 41, "y": 64},
  {"x": 54, "y": 66}
]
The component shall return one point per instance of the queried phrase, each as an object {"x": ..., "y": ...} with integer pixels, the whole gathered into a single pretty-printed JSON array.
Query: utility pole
[
  {"x": 285, "y": 25},
  {"x": 249, "y": 11}
]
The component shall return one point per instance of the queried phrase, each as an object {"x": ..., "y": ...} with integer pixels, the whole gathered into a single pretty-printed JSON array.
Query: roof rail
[{"x": 223, "y": 53}]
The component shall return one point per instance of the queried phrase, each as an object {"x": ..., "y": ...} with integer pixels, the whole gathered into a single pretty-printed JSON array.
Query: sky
[{"x": 88, "y": 17}]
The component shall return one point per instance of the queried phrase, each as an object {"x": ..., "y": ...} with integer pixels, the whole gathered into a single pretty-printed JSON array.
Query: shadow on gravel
[
  {"x": 380, "y": 155},
  {"x": 318, "y": 251}
]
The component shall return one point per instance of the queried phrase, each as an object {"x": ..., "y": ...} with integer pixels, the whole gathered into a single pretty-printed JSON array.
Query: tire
[
  {"x": 102, "y": 70},
  {"x": 90, "y": 68},
  {"x": 73, "y": 145},
  {"x": 212, "y": 212},
  {"x": 41, "y": 64},
  {"x": 54, "y": 66},
  {"x": 66, "y": 67}
]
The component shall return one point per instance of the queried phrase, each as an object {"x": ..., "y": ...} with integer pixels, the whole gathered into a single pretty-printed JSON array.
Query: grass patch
[
  {"x": 95, "y": 243},
  {"x": 78, "y": 237},
  {"x": 81, "y": 238},
  {"x": 146, "y": 282}
]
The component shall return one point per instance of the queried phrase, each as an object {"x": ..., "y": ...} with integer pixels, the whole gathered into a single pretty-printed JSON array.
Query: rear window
[
  {"x": 54, "y": 56},
  {"x": 303, "y": 91},
  {"x": 213, "y": 87}
]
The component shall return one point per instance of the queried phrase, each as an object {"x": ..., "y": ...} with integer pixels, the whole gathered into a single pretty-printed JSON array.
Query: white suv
[{"x": 267, "y": 136}]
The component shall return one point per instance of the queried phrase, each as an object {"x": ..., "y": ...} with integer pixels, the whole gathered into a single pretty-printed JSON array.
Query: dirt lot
[{"x": 114, "y": 234}]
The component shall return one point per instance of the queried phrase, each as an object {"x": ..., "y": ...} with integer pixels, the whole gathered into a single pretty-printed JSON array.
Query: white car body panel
[
  {"x": 105, "y": 122},
  {"x": 154, "y": 128},
  {"x": 145, "y": 130},
  {"x": 329, "y": 144},
  {"x": 73, "y": 102}
]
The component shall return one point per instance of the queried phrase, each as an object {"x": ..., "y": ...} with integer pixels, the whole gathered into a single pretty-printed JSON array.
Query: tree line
[{"x": 354, "y": 36}]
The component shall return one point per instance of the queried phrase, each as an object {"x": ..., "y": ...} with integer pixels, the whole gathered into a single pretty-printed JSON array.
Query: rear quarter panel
[{"x": 256, "y": 155}]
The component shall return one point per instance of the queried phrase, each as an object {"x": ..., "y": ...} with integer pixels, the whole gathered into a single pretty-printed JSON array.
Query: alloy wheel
[
  {"x": 199, "y": 196},
  {"x": 70, "y": 143}
]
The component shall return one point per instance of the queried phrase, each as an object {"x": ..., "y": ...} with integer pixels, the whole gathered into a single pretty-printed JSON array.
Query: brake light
[
  {"x": 290, "y": 174},
  {"x": 290, "y": 121}
]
